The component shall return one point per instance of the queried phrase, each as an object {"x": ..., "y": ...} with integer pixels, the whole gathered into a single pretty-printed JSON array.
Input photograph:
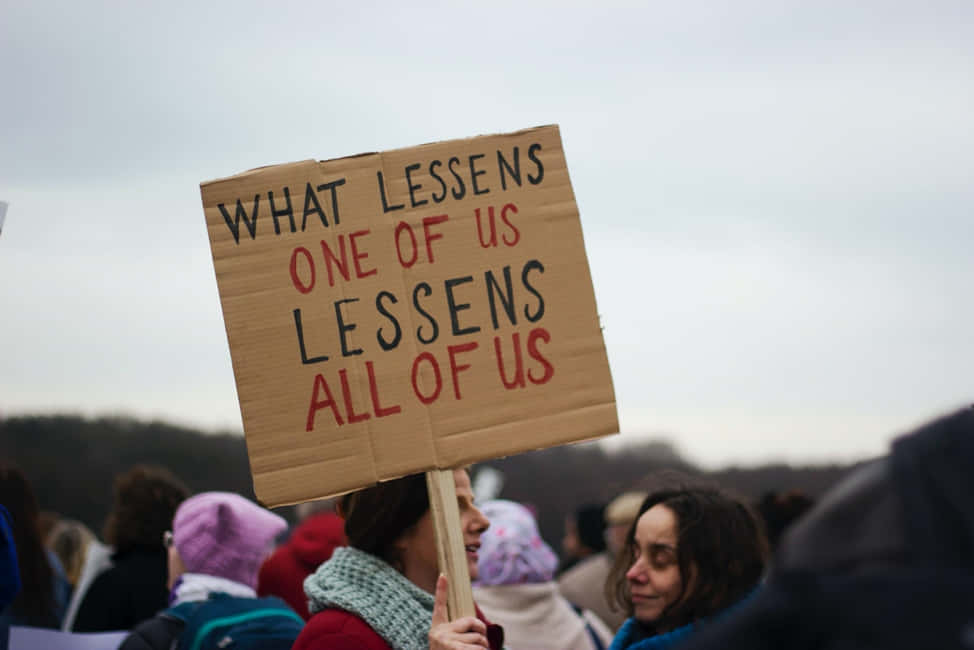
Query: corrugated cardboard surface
[{"x": 264, "y": 276}]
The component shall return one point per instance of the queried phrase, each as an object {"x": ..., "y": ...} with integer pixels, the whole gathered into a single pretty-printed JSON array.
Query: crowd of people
[{"x": 885, "y": 560}]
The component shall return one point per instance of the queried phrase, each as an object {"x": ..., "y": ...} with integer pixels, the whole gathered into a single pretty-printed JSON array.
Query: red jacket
[
  {"x": 336, "y": 629},
  {"x": 311, "y": 543}
]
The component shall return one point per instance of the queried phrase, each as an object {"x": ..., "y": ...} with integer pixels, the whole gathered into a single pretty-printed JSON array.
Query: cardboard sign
[{"x": 395, "y": 312}]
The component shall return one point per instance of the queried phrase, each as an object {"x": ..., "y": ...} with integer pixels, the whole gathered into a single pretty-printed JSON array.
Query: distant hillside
[
  {"x": 558, "y": 480},
  {"x": 72, "y": 461}
]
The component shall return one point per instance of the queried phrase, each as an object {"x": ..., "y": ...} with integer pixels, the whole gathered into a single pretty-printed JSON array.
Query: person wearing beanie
[
  {"x": 311, "y": 543},
  {"x": 516, "y": 587},
  {"x": 619, "y": 516},
  {"x": 384, "y": 590},
  {"x": 584, "y": 584},
  {"x": 216, "y": 547}
]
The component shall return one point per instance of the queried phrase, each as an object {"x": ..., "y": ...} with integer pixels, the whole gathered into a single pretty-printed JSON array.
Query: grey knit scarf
[{"x": 360, "y": 583}]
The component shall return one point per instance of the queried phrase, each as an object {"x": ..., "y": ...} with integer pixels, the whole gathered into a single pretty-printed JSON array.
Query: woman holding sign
[
  {"x": 691, "y": 555},
  {"x": 378, "y": 593}
]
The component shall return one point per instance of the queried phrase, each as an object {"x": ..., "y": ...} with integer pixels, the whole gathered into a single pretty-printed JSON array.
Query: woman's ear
[
  {"x": 174, "y": 567},
  {"x": 402, "y": 542}
]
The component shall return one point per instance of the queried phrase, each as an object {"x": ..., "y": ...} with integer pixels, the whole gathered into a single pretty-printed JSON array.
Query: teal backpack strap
[
  {"x": 246, "y": 619},
  {"x": 183, "y": 611}
]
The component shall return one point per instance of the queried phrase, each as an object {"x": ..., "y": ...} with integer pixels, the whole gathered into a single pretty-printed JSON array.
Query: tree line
[{"x": 72, "y": 461}]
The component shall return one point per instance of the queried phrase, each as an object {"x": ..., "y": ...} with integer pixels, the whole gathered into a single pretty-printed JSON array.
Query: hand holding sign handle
[
  {"x": 464, "y": 633},
  {"x": 450, "y": 552}
]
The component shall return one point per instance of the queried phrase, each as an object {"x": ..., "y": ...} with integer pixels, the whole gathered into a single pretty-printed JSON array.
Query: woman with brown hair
[
  {"x": 44, "y": 590},
  {"x": 691, "y": 554},
  {"x": 134, "y": 588},
  {"x": 378, "y": 592}
]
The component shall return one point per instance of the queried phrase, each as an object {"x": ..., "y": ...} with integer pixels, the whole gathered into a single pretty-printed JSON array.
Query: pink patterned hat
[{"x": 511, "y": 550}]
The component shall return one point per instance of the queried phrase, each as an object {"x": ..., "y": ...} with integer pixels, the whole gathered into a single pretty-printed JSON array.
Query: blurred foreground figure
[
  {"x": 692, "y": 556},
  {"x": 217, "y": 544},
  {"x": 312, "y": 542},
  {"x": 134, "y": 588},
  {"x": 516, "y": 588},
  {"x": 44, "y": 590},
  {"x": 885, "y": 561},
  {"x": 584, "y": 584}
]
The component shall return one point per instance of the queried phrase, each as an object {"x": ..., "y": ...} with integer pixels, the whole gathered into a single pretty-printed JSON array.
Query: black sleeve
[
  {"x": 157, "y": 633},
  {"x": 97, "y": 612}
]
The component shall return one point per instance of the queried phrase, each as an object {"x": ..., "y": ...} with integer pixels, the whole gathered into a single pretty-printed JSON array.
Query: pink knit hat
[{"x": 225, "y": 535}]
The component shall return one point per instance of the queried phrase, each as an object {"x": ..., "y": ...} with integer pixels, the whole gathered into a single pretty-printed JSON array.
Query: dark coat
[
  {"x": 885, "y": 561},
  {"x": 336, "y": 629},
  {"x": 157, "y": 633},
  {"x": 131, "y": 591}
]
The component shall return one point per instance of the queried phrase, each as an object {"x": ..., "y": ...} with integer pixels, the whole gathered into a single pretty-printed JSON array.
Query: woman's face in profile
[
  {"x": 418, "y": 546},
  {"x": 654, "y": 578}
]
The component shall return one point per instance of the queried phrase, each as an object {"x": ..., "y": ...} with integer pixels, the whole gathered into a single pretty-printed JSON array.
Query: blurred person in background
[
  {"x": 584, "y": 584},
  {"x": 380, "y": 592},
  {"x": 693, "y": 554},
  {"x": 516, "y": 587},
  {"x": 584, "y": 535},
  {"x": 69, "y": 540},
  {"x": 619, "y": 516},
  {"x": 84, "y": 558},
  {"x": 46, "y": 522},
  {"x": 44, "y": 591},
  {"x": 217, "y": 544},
  {"x": 780, "y": 510},
  {"x": 312, "y": 542},
  {"x": 134, "y": 587}
]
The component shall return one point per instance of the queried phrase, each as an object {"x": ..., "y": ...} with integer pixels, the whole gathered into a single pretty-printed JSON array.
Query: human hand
[{"x": 467, "y": 633}]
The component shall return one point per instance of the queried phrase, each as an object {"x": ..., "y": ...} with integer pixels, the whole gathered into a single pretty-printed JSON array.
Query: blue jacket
[
  {"x": 633, "y": 636},
  {"x": 9, "y": 573}
]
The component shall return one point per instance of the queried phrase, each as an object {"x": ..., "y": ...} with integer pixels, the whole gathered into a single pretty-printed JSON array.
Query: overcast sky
[{"x": 777, "y": 197}]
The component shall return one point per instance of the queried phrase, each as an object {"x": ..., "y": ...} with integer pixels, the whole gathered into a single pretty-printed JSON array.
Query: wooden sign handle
[{"x": 450, "y": 551}]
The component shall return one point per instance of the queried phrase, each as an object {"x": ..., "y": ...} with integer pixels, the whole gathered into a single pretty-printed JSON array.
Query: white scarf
[{"x": 194, "y": 587}]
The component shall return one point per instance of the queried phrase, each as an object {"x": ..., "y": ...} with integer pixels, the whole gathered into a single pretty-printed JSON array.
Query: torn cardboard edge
[{"x": 252, "y": 171}]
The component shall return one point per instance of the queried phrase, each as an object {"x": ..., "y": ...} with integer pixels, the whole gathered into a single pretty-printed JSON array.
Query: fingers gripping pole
[{"x": 450, "y": 551}]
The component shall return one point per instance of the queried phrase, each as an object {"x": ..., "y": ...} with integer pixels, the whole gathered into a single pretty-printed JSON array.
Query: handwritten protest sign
[{"x": 396, "y": 312}]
